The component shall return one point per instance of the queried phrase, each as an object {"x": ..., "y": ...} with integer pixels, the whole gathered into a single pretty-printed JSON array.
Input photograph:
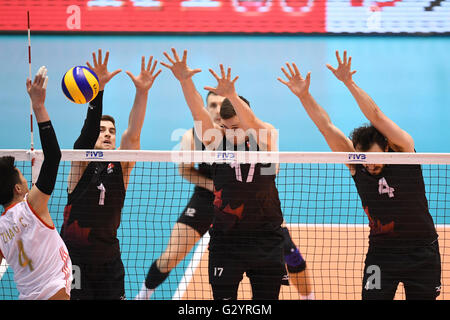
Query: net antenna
[{"x": 31, "y": 104}]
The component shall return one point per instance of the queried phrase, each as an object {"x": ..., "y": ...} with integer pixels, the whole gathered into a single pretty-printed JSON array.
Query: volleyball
[{"x": 80, "y": 84}]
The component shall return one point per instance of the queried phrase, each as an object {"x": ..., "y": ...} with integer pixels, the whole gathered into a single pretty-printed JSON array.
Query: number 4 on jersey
[{"x": 383, "y": 187}]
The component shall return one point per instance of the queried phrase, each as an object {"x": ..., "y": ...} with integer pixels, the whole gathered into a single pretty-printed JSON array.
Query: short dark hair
[
  {"x": 227, "y": 109},
  {"x": 9, "y": 177},
  {"x": 106, "y": 117},
  {"x": 207, "y": 96},
  {"x": 365, "y": 136}
]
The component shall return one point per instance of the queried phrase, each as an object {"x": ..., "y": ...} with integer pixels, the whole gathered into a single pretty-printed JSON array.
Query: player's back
[{"x": 35, "y": 252}]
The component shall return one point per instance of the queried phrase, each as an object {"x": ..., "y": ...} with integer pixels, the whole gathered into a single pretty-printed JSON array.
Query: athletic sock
[{"x": 152, "y": 281}]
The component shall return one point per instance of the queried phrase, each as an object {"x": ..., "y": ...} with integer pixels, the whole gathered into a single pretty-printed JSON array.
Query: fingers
[
  {"x": 282, "y": 81},
  {"x": 154, "y": 65},
  {"x": 214, "y": 74},
  {"x": 130, "y": 75},
  {"x": 338, "y": 57},
  {"x": 235, "y": 79},
  {"x": 28, "y": 84},
  {"x": 106, "y": 58},
  {"x": 286, "y": 74},
  {"x": 168, "y": 58},
  {"x": 331, "y": 68},
  {"x": 166, "y": 65},
  {"x": 210, "y": 89},
  {"x": 45, "y": 83},
  {"x": 296, "y": 69},
  {"x": 308, "y": 77},
  {"x": 99, "y": 56},
  {"x": 345, "y": 56},
  {"x": 175, "y": 55},
  {"x": 115, "y": 72},
  {"x": 157, "y": 74},
  {"x": 89, "y": 65},
  {"x": 94, "y": 59},
  {"x": 142, "y": 63},
  {"x": 184, "y": 56},
  {"x": 290, "y": 69}
]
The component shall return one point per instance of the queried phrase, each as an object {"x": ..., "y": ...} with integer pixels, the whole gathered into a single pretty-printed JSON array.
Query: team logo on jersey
[
  {"x": 218, "y": 202},
  {"x": 110, "y": 168}
]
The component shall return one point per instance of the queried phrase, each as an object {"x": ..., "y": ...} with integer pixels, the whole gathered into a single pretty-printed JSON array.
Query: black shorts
[
  {"x": 104, "y": 281},
  {"x": 199, "y": 212},
  {"x": 419, "y": 269},
  {"x": 263, "y": 264}
]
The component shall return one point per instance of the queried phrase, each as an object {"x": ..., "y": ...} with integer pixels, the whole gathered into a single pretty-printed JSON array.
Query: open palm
[
  {"x": 145, "y": 79},
  {"x": 296, "y": 83},
  {"x": 179, "y": 68},
  {"x": 100, "y": 68},
  {"x": 225, "y": 86},
  {"x": 344, "y": 70}
]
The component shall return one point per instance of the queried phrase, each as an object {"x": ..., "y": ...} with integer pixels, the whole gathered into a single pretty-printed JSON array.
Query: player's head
[
  {"x": 107, "y": 138},
  {"x": 12, "y": 183},
  {"x": 213, "y": 104},
  {"x": 231, "y": 122},
  {"x": 368, "y": 139}
]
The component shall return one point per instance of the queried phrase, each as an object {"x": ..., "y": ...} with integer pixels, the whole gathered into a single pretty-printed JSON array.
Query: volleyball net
[{"x": 319, "y": 201}]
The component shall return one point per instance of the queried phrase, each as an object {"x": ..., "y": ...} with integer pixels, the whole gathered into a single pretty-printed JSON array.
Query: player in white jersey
[{"x": 29, "y": 242}]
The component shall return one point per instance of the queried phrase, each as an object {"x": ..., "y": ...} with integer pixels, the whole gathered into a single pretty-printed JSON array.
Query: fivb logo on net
[{"x": 230, "y": 153}]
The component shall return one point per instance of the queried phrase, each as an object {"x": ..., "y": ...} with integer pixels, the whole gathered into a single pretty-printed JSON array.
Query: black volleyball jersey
[
  {"x": 93, "y": 212},
  {"x": 203, "y": 168},
  {"x": 396, "y": 205},
  {"x": 246, "y": 199}
]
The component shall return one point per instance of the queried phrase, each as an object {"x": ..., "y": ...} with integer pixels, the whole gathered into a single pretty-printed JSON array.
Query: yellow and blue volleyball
[{"x": 80, "y": 84}]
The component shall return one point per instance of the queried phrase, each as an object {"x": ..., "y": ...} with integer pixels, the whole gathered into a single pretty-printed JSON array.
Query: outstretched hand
[
  {"x": 225, "y": 86},
  {"x": 179, "y": 68},
  {"x": 37, "y": 88},
  {"x": 101, "y": 69},
  {"x": 296, "y": 83},
  {"x": 144, "y": 81},
  {"x": 343, "y": 71}
]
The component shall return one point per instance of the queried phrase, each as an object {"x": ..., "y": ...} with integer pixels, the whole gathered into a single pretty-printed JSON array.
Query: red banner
[{"x": 221, "y": 16}]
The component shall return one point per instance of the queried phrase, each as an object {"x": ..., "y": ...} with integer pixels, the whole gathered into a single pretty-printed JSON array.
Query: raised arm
[
  {"x": 194, "y": 100},
  {"x": 335, "y": 138},
  {"x": 131, "y": 138},
  {"x": 399, "y": 140},
  {"x": 249, "y": 121},
  {"x": 39, "y": 194},
  {"x": 91, "y": 128},
  {"x": 188, "y": 170}
]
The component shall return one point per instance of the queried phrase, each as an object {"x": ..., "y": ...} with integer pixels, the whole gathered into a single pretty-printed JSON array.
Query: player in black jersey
[
  {"x": 196, "y": 218},
  {"x": 403, "y": 245},
  {"x": 96, "y": 190},
  {"x": 246, "y": 235}
]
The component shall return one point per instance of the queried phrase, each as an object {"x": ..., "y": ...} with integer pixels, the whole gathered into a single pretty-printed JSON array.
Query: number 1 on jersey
[{"x": 101, "y": 200}]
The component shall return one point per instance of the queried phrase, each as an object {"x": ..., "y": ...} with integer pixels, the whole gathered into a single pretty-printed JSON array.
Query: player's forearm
[
  {"x": 91, "y": 128},
  {"x": 52, "y": 156},
  {"x": 368, "y": 107},
  {"x": 193, "y": 176},
  {"x": 137, "y": 115},
  {"x": 40, "y": 112},
  {"x": 195, "y": 103},
  {"x": 317, "y": 114},
  {"x": 244, "y": 113}
]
